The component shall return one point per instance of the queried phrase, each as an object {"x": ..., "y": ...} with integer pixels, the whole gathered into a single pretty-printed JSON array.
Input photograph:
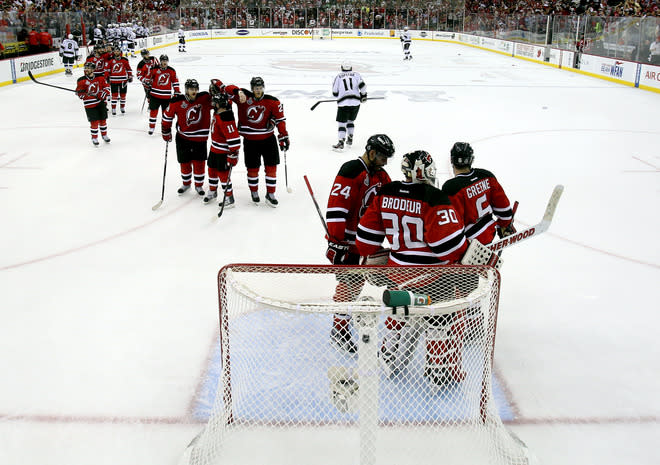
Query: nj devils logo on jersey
[
  {"x": 93, "y": 88},
  {"x": 256, "y": 114},
  {"x": 368, "y": 197},
  {"x": 193, "y": 115},
  {"x": 163, "y": 79},
  {"x": 117, "y": 68}
]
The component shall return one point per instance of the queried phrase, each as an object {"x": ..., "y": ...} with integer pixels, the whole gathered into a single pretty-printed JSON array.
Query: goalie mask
[
  {"x": 462, "y": 155},
  {"x": 419, "y": 167}
]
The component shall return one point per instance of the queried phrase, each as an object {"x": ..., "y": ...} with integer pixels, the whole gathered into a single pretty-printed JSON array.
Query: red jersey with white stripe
[
  {"x": 163, "y": 82},
  {"x": 193, "y": 119},
  {"x": 418, "y": 221},
  {"x": 99, "y": 64},
  {"x": 94, "y": 91},
  {"x": 257, "y": 118},
  {"x": 480, "y": 200},
  {"x": 119, "y": 70},
  {"x": 354, "y": 188},
  {"x": 224, "y": 133},
  {"x": 144, "y": 68}
]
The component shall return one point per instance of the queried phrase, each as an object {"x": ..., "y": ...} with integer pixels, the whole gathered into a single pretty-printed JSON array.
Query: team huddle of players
[
  {"x": 198, "y": 115},
  {"x": 424, "y": 225}
]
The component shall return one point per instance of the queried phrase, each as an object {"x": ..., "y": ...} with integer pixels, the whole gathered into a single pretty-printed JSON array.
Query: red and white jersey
[
  {"x": 99, "y": 64},
  {"x": 257, "y": 118},
  {"x": 119, "y": 70},
  {"x": 418, "y": 221},
  {"x": 224, "y": 133},
  {"x": 193, "y": 119},
  {"x": 354, "y": 188},
  {"x": 93, "y": 91},
  {"x": 144, "y": 67},
  {"x": 477, "y": 196},
  {"x": 163, "y": 82}
]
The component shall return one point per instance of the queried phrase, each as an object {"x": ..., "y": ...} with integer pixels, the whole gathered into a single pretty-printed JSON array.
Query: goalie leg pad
[{"x": 444, "y": 348}]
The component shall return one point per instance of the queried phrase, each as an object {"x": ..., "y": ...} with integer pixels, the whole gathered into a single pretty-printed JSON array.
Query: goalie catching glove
[{"x": 337, "y": 253}]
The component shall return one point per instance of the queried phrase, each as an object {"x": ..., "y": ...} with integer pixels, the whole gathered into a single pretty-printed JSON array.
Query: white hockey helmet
[
  {"x": 346, "y": 65},
  {"x": 419, "y": 167},
  {"x": 70, "y": 36},
  {"x": 405, "y": 28}
]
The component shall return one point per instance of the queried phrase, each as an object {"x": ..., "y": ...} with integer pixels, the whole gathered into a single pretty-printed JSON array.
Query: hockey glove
[
  {"x": 337, "y": 253},
  {"x": 167, "y": 136},
  {"x": 363, "y": 98},
  {"x": 216, "y": 86},
  {"x": 232, "y": 159},
  {"x": 284, "y": 142},
  {"x": 504, "y": 232},
  {"x": 130, "y": 79}
]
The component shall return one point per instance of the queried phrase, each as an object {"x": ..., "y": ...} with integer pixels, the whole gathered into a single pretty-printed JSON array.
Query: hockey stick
[
  {"x": 534, "y": 230},
  {"x": 286, "y": 175},
  {"x": 162, "y": 194},
  {"x": 224, "y": 195},
  {"x": 309, "y": 188},
  {"x": 49, "y": 85},
  {"x": 325, "y": 101}
]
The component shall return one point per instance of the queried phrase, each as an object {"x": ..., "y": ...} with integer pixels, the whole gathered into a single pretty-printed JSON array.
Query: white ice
[{"x": 109, "y": 310}]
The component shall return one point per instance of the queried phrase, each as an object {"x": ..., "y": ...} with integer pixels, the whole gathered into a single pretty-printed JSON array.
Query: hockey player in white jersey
[
  {"x": 130, "y": 36},
  {"x": 69, "y": 53},
  {"x": 182, "y": 40},
  {"x": 98, "y": 34},
  {"x": 350, "y": 90},
  {"x": 406, "y": 40}
]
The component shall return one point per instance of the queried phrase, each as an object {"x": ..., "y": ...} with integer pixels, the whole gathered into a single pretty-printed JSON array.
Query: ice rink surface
[{"x": 109, "y": 310}]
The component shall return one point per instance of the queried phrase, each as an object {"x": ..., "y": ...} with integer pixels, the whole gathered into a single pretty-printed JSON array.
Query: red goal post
[{"x": 286, "y": 387}]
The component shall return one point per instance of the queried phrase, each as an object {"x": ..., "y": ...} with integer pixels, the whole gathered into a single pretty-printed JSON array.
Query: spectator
[
  {"x": 45, "y": 41},
  {"x": 33, "y": 41}
]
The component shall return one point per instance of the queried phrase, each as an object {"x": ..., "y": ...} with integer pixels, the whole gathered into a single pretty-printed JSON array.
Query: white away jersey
[
  {"x": 348, "y": 87},
  {"x": 405, "y": 37},
  {"x": 69, "y": 48}
]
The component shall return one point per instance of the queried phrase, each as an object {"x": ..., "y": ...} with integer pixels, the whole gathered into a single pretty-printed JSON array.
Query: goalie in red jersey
[
  {"x": 93, "y": 91},
  {"x": 352, "y": 191},
  {"x": 193, "y": 122},
  {"x": 223, "y": 155},
  {"x": 423, "y": 228}
]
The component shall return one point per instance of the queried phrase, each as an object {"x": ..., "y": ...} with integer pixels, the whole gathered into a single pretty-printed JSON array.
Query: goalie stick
[
  {"x": 49, "y": 85},
  {"x": 534, "y": 230},
  {"x": 326, "y": 101}
]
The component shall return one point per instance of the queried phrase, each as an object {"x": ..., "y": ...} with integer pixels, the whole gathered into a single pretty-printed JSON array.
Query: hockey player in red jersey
[
  {"x": 97, "y": 60},
  {"x": 423, "y": 228},
  {"x": 119, "y": 74},
  {"x": 144, "y": 68},
  {"x": 223, "y": 155},
  {"x": 258, "y": 115},
  {"x": 93, "y": 91},
  {"x": 478, "y": 197},
  {"x": 193, "y": 121},
  {"x": 163, "y": 81},
  {"x": 352, "y": 191}
]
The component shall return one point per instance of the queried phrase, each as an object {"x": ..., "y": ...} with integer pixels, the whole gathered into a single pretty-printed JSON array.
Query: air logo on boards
[
  {"x": 512, "y": 239},
  {"x": 615, "y": 70},
  {"x": 652, "y": 75}
]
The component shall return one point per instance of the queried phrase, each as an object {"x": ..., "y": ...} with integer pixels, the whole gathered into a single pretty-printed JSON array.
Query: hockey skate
[
  {"x": 229, "y": 202},
  {"x": 343, "y": 340},
  {"x": 151, "y": 132},
  {"x": 255, "y": 196},
  {"x": 271, "y": 201},
  {"x": 210, "y": 196},
  {"x": 339, "y": 146},
  {"x": 106, "y": 139},
  {"x": 95, "y": 141},
  {"x": 123, "y": 110},
  {"x": 349, "y": 141},
  {"x": 114, "y": 112},
  {"x": 183, "y": 189},
  {"x": 199, "y": 190}
]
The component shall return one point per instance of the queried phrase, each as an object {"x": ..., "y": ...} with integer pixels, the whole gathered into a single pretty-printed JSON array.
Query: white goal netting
[{"x": 411, "y": 388}]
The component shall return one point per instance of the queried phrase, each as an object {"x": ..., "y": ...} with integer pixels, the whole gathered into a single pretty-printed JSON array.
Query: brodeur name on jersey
[
  {"x": 418, "y": 221},
  {"x": 477, "y": 196},
  {"x": 352, "y": 191}
]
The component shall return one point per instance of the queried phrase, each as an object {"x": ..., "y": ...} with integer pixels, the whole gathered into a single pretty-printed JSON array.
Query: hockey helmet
[
  {"x": 346, "y": 65},
  {"x": 257, "y": 82},
  {"x": 220, "y": 100},
  {"x": 70, "y": 36},
  {"x": 144, "y": 52},
  {"x": 216, "y": 86},
  {"x": 462, "y": 155},
  {"x": 419, "y": 167},
  {"x": 89, "y": 65},
  {"x": 381, "y": 144},
  {"x": 192, "y": 84},
  {"x": 405, "y": 28},
  {"x": 164, "y": 58}
]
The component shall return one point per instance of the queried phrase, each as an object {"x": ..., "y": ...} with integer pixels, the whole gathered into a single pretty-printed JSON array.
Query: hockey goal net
[
  {"x": 323, "y": 33},
  {"x": 289, "y": 394}
]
